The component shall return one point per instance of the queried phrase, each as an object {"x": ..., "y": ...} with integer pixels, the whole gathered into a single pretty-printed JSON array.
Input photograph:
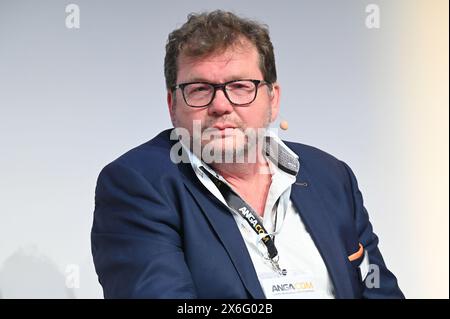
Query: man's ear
[
  {"x": 171, "y": 100},
  {"x": 274, "y": 96}
]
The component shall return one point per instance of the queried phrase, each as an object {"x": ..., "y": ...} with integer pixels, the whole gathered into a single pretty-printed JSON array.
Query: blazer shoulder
[
  {"x": 150, "y": 158},
  {"x": 309, "y": 153},
  {"x": 317, "y": 161}
]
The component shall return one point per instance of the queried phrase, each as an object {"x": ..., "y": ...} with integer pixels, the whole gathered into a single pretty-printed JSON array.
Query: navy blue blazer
[{"x": 159, "y": 233}]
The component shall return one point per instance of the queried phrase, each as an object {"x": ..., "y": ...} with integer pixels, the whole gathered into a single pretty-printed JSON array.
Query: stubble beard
[{"x": 238, "y": 145}]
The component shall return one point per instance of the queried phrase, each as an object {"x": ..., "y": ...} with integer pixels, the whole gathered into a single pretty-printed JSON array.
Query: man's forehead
[
  {"x": 222, "y": 58},
  {"x": 222, "y": 55},
  {"x": 225, "y": 66}
]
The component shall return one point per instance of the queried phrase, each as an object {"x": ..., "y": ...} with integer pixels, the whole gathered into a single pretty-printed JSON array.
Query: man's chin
[{"x": 219, "y": 152}]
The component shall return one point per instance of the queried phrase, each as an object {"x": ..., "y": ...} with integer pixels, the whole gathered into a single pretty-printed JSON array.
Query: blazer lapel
[
  {"x": 225, "y": 226},
  {"x": 314, "y": 216}
]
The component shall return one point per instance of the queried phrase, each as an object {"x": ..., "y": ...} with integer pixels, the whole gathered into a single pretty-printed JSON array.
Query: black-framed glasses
[{"x": 238, "y": 92}]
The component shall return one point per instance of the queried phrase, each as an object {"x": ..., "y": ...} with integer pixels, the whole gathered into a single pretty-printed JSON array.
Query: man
[{"x": 222, "y": 208}]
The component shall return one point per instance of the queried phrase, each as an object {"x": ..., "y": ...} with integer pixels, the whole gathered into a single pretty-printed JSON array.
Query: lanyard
[{"x": 246, "y": 211}]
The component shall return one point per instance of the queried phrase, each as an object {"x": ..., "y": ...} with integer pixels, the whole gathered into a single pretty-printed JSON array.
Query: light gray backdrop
[{"x": 72, "y": 100}]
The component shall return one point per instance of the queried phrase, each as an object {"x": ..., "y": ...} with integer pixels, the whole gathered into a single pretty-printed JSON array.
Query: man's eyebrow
[
  {"x": 227, "y": 79},
  {"x": 196, "y": 79}
]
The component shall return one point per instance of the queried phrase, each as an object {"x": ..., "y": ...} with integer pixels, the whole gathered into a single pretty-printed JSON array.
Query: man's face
[{"x": 225, "y": 122}]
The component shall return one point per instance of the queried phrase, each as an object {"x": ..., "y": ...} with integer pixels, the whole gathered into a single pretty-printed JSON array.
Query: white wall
[{"x": 72, "y": 100}]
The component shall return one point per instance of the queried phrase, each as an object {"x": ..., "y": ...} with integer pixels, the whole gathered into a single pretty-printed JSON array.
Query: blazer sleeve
[
  {"x": 380, "y": 283},
  {"x": 135, "y": 238}
]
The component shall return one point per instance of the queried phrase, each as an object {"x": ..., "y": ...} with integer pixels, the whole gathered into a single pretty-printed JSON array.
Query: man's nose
[{"x": 220, "y": 105}]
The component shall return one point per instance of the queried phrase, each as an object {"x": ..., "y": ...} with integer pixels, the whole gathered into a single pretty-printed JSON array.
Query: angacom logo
[
  {"x": 252, "y": 220},
  {"x": 303, "y": 286},
  {"x": 248, "y": 216}
]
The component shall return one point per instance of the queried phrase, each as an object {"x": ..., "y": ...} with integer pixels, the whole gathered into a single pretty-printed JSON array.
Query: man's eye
[
  {"x": 239, "y": 86},
  {"x": 198, "y": 89}
]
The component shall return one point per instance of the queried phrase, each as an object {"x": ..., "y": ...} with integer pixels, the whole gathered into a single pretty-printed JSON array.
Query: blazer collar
[{"x": 225, "y": 226}]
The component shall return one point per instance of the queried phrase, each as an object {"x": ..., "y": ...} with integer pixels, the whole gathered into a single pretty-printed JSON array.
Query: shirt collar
[{"x": 279, "y": 154}]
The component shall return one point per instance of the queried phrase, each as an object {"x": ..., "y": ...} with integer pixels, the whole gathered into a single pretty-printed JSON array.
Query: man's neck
[
  {"x": 240, "y": 171},
  {"x": 251, "y": 180}
]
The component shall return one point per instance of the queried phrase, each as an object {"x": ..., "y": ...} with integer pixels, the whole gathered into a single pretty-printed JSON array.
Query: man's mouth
[
  {"x": 222, "y": 126},
  {"x": 221, "y": 130}
]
